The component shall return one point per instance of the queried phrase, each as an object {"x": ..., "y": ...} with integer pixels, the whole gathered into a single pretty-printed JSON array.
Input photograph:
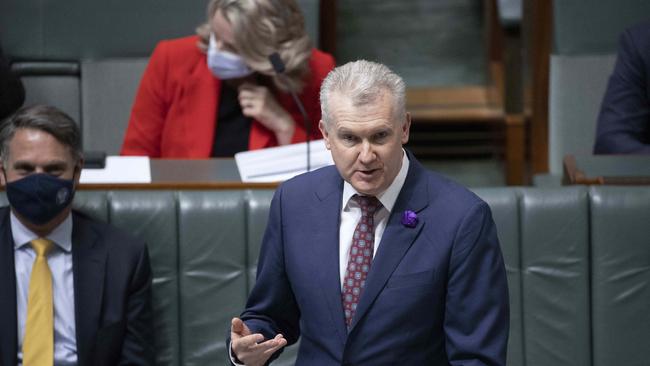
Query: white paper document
[
  {"x": 277, "y": 164},
  {"x": 120, "y": 169}
]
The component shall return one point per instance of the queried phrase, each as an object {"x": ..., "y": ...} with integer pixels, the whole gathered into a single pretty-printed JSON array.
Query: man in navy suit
[
  {"x": 375, "y": 261},
  {"x": 73, "y": 291},
  {"x": 624, "y": 119}
]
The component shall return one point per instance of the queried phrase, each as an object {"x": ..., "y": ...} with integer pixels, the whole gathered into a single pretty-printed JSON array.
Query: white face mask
[{"x": 225, "y": 65}]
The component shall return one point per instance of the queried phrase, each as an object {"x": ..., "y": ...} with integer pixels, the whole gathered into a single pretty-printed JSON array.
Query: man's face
[
  {"x": 34, "y": 151},
  {"x": 366, "y": 142}
]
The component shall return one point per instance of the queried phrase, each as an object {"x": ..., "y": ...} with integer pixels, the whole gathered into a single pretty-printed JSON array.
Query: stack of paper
[
  {"x": 120, "y": 169},
  {"x": 278, "y": 164}
]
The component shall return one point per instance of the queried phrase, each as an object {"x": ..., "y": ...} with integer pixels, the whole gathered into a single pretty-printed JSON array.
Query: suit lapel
[
  {"x": 397, "y": 238},
  {"x": 89, "y": 261},
  {"x": 8, "y": 312},
  {"x": 326, "y": 253}
]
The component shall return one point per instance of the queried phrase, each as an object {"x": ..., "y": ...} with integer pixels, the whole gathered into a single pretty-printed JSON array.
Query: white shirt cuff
[{"x": 232, "y": 356}]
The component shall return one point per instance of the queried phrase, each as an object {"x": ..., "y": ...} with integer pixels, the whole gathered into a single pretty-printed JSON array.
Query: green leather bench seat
[
  {"x": 620, "y": 260},
  {"x": 555, "y": 280},
  {"x": 504, "y": 203},
  {"x": 577, "y": 261}
]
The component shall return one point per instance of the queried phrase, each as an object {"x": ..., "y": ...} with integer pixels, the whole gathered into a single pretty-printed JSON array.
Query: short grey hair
[
  {"x": 43, "y": 118},
  {"x": 363, "y": 82}
]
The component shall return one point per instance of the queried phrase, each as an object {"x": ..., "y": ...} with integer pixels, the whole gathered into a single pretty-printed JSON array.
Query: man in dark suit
[
  {"x": 624, "y": 119},
  {"x": 376, "y": 261},
  {"x": 74, "y": 291}
]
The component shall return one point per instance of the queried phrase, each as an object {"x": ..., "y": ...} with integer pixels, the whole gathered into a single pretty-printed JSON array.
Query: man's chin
[{"x": 370, "y": 188}]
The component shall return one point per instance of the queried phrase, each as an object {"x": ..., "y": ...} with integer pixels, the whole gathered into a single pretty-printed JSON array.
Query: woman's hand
[{"x": 259, "y": 103}]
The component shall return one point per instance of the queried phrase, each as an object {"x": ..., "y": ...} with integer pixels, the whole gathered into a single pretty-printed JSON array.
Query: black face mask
[{"x": 40, "y": 197}]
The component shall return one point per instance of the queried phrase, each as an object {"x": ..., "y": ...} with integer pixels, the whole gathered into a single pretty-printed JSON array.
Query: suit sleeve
[
  {"x": 138, "y": 347},
  {"x": 146, "y": 123},
  {"x": 476, "y": 320},
  {"x": 271, "y": 306},
  {"x": 624, "y": 119}
]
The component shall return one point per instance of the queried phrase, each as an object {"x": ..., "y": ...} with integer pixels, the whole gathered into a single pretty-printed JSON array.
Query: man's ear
[
  {"x": 77, "y": 172},
  {"x": 3, "y": 175},
  {"x": 323, "y": 130},
  {"x": 406, "y": 127}
]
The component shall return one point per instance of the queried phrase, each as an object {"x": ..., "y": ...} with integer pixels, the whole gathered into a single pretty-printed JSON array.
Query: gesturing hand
[{"x": 252, "y": 349}]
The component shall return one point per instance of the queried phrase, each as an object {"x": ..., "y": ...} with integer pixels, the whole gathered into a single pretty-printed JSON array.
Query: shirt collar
[
  {"x": 387, "y": 197},
  {"x": 61, "y": 235}
]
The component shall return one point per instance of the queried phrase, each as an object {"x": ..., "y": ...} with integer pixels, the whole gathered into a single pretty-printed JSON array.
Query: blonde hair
[{"x": 262, "y": 27}]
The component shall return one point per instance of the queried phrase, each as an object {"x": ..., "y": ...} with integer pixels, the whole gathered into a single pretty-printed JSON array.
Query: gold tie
[{"x": 38, "y": 345}]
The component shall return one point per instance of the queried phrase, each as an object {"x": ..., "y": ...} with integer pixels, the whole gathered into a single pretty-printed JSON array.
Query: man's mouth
[{"x": 367, "y": 172}]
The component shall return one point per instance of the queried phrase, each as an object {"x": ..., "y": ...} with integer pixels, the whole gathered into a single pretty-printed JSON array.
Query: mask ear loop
[{"x": 212, "y": 41}]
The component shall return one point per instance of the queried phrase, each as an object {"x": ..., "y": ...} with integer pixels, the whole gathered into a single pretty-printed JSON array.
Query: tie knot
[
  {"x": 41, "y": 246},
  {"x": 368, "y": 204}
]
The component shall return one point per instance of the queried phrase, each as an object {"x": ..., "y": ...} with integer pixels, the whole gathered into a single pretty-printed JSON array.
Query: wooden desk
[
  {"x": 219, "y": 173},
  {"x": 607, "y": 169}
]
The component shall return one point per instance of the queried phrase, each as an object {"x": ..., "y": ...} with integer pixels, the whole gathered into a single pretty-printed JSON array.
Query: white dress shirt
[
  {"x": 351, "y": 214},
  {"x": 60, "y": 262}
]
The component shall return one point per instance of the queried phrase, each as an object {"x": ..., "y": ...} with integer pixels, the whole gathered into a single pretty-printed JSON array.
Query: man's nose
[{"x": 366, "y": 155}]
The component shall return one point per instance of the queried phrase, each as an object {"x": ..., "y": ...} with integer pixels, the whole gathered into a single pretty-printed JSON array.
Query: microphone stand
[{"x": 279, "y": 68}]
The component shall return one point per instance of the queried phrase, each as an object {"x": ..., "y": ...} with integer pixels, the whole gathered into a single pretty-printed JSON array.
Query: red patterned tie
[{"x": 360, "y": 255}]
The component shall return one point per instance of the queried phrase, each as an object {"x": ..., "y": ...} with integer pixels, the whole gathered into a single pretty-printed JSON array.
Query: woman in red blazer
[{"x": 216, "y": 93}]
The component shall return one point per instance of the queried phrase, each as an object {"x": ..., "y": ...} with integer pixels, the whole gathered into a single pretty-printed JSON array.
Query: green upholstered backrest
[
  {"x": 504, "y": 203},
  {"x": 577, "y": 86},
  {"x": 620, "y": 262},
  {"x": 592, "y": 27},
  {"x": 212, "y": 271},
  {"x": 151, "y": 216},
  {"x": 108, "y": 89},
  {"x": 555, "y": 280}
]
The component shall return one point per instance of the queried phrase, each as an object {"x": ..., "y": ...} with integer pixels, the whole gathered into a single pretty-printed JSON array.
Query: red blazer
[{"x": 175, "y": 110}]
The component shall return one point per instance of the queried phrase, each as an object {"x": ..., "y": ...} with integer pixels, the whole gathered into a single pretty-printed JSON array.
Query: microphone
[{"x": 279, "y": 68}]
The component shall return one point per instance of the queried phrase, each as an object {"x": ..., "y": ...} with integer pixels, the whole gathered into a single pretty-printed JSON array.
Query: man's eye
[
  {"x": 54, "y": 172},
  {"x": 23, "y": 170}
]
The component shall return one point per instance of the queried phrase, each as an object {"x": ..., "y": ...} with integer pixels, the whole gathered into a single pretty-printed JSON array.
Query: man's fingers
[
  {"x": 238, "y": 327},
  {"x": 250, "y": 341},
  {"x": 278, "y": 342},
  {"x": 270, "y": 346},
  {"x": 254, "y": 350}
]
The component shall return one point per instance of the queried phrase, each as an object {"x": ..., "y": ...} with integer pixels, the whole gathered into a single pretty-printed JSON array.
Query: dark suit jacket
[
  {"x": 112, "y": 288},
  {"x": 624, "y": 120},
  {"x": 436, "y": 293}
]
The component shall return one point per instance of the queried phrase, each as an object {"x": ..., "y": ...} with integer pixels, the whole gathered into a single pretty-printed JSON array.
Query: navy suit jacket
[
  {"x": 624, "y": 120},
  {"x": 436, "y": 293},
  {"x": 112, "y": 290}
]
